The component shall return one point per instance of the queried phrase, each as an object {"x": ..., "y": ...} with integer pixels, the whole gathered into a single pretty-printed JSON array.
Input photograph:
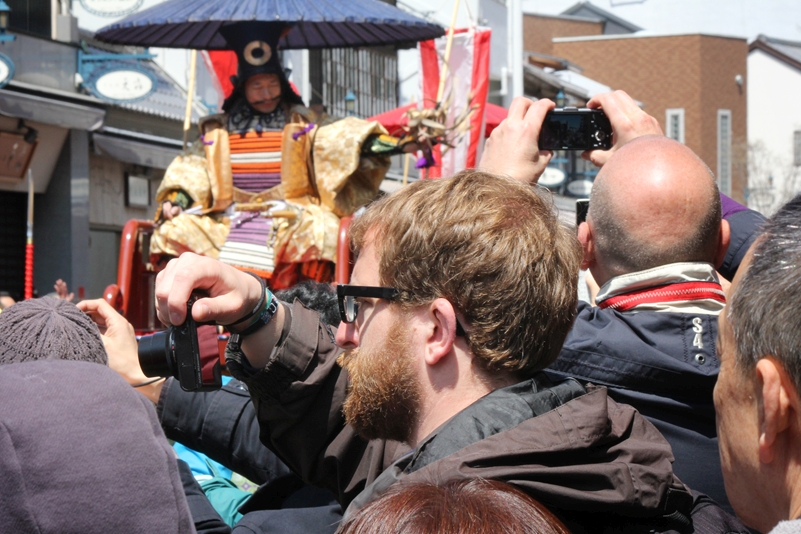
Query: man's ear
[
  {"x": 587, "y": 241},
  {"x": 441, "y": 333},
  {"x": 778, "y": 406},
  {"x": 724, "y": 239}
]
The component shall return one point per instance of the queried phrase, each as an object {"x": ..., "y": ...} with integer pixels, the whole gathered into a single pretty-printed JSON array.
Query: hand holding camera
[
  {"x": 230, "y": 295},
  {"x": 628, "y": 122},
  {"x": 188, "y": 352},
  {"x": 512, "y": 148},
  {"x": 521, "y": 145}
]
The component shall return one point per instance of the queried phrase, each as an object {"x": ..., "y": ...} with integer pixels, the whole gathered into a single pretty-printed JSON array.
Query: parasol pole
[
  {"x": 190, "y": 93},
  {"x": 408, "y": 156},
  {"x": 29, "y": 242},
  {"x": 447, "y": 57}
]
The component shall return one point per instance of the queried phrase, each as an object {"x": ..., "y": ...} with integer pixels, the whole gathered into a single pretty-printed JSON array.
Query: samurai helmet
[{"x": 256, "y": 47}]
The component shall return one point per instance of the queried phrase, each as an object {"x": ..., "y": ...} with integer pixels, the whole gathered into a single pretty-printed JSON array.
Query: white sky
[{"x": 743, "y": 18}]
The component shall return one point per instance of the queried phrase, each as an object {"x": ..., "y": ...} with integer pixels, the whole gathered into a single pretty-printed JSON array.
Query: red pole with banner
[{"x": 29, "y": 242}]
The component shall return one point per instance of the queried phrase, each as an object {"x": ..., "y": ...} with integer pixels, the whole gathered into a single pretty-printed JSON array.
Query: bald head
[{"x": 653, "y": 203}]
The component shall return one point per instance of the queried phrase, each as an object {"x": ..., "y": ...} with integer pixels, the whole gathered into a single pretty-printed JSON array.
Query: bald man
[
  {"x": 653, "y": 238},
  {"x": 653, "y": 203}
]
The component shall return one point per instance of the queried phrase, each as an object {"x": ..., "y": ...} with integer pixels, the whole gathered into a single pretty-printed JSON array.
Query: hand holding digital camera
[{"x": 189, "y": 352}]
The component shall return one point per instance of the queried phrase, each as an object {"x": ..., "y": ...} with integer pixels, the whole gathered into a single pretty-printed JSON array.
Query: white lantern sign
[
  {"x": 580, "y": 188},
  {"x": 123, "y": 85},
  {"x": 6, "y": 70},
  {"x": 552, "y": 177},
  {"x": 111, "y": 8}
]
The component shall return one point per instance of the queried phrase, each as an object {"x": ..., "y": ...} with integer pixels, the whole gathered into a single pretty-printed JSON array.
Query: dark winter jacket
[
  {"x": 222, "y": 424},
  {"x": 665, "y": 365},
  {"x": 745, "y": 227},
  {"x": 647, "y": 360},
  {"x": 599, "y": 465}
]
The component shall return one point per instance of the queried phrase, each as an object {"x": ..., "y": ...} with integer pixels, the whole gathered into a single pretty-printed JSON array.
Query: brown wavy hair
[
  {"x": 474, "y": 506},
  {"x": 491, "y": 246}
]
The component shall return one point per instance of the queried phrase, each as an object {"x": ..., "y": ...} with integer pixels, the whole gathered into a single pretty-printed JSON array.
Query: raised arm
[
  {"x": 745, "y": 226},
  {"x": 290, "y": 369}
]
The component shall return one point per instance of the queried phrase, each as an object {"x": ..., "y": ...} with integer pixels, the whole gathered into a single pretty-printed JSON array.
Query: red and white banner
[
  {"x": 468, "y": 74},
  {"x": 221, "y": 64}
]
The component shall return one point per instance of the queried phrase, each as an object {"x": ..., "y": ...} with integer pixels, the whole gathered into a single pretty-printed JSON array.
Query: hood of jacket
[
  {"x": 589, "y": 454},
  {"x": 574, "y": 449}
]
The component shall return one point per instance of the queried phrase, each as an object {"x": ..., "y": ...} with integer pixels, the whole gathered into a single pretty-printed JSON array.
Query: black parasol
[{"x": 196, "y": 24}]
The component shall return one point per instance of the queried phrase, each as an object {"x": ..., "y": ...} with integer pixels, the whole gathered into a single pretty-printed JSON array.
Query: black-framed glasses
[{"x": 349, "y": 306}]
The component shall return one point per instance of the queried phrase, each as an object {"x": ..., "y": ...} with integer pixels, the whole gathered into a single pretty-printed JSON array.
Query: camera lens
[{"x": 156, "y": 356}]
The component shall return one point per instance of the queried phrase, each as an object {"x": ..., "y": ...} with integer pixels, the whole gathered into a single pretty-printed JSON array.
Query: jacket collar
[
  {"x": 673, "y": 273},
  {"x": 570, "y": 447},
  {"x": 496, "y": 412}
]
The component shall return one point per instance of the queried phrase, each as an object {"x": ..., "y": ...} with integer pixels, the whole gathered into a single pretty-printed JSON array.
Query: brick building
[
  {"x": 693, "y": 84},
  {"x": 539, "y": 30}
]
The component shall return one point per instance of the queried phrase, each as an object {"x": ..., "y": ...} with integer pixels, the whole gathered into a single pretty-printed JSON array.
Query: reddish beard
[{"x": 383, "y": 400}]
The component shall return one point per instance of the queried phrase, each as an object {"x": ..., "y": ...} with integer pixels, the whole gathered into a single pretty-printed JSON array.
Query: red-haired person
[{"x": 470, "y": 506}]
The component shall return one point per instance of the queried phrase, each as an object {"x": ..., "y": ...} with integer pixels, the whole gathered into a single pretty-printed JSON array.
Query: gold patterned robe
[
  {"x": 199, "y": 233},
  {"x": 324, "y": 176}
]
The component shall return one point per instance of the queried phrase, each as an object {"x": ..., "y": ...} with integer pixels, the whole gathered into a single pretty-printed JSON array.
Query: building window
[
  {"x": 724, "y": 151},
  {"x": 674, "y": 119},
  {"x": 370, "y": 73},
  {"x": 32, "y": 16},
  {"x": 797, "y": 148}
]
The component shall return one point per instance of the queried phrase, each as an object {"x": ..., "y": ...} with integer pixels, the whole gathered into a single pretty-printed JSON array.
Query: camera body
[
  {"x": 187, "y": 352},
  {"x": 575, "y": 129},
  {"x": 582, "y": 207}
]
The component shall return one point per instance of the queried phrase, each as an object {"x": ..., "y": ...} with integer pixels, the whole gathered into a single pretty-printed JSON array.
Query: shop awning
[
  {"x": 50, "y": 111},
  {"x": 137, "y": 148}
]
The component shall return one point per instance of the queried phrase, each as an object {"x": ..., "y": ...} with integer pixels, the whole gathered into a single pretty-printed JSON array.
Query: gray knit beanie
[{"x": 49, "y": 329}]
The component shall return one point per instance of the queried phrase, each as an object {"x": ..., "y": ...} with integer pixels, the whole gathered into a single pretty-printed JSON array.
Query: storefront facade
[{"x": 96, "y": 162}]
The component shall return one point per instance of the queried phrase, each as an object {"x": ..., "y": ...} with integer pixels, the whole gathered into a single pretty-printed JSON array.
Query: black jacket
[
  {"x": 648, "y": 360},
  {"x": 222, "y": 424}
]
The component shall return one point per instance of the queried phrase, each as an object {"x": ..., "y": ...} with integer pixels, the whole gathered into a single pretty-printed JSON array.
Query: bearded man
[{"x": 462, "y": 293}]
